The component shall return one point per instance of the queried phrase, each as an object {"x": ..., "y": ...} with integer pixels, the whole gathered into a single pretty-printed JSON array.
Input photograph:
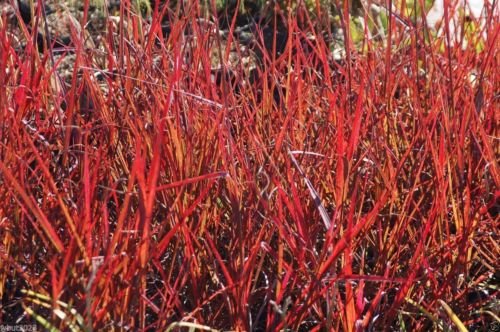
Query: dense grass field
[{"x": 162, "y": 172}]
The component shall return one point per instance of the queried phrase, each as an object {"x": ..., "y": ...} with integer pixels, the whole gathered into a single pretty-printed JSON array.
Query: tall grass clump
[{"x": 181, "y": 178}]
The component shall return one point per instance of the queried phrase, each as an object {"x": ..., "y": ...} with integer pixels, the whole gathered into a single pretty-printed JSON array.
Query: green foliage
[
  {"x": 142, "y": 6},
  {"x": 411, "y": 5}
]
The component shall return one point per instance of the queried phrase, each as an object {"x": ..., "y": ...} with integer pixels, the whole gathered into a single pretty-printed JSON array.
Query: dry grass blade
[
  {"x": 454, "y": 318},
  {"x": 314, "y": 194}
]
